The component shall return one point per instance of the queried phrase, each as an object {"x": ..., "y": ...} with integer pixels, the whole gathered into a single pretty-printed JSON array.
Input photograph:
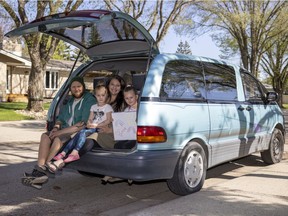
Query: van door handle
[
  {"x": 241, "y": 108},
  {"x": 248, "y": 108}
]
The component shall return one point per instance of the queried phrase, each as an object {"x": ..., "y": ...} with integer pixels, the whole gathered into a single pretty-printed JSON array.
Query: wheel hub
[{"x": 193, "y": 169}]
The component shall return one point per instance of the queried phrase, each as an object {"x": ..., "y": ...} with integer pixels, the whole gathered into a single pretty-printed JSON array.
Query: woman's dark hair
[{"x": 117, "y": 105}]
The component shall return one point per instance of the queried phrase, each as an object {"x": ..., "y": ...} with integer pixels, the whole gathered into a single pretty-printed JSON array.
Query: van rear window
[{"x": 183, "y": 80}]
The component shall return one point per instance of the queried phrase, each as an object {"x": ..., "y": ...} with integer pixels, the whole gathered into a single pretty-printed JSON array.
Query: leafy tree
[
  {"x": 63, "y": 51},
  {"x": 184, "y": 48},
  {"x": 275, "y": 63},
  {"x": 40, "y": 46},
  {"x": 250, "y": 24}
]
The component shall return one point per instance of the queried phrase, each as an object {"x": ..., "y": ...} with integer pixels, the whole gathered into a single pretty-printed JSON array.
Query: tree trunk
[
  {"x": 278, "y": 88},
  {"x": 36, "y": 82}
]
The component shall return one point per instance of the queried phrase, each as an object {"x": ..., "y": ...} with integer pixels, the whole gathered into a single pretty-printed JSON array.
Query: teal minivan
[{"x": 193, "y": 112}]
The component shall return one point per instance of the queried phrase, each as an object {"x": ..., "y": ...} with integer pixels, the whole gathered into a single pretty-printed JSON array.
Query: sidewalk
[
  {"x": 264, "y": 192},
  {"x": 17, "y": 131}
]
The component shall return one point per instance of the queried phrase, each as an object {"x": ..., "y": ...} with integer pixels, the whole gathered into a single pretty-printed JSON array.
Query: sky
[{"x": 201, "y": 46}]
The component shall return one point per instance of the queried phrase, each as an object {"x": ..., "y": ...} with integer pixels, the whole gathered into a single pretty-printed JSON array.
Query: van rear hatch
[{"x": 100, "y": 34}]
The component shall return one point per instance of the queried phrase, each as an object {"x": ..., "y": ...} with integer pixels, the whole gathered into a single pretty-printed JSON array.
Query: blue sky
[{"x": 201, "y": 46}]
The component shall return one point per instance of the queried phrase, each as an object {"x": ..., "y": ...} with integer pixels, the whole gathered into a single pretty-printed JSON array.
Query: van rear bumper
[{"x": 138, "y": 166}]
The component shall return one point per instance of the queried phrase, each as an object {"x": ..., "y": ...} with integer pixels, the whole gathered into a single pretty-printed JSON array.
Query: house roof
[
  {"x": 54, "y": 64},
  {"x": 12, "y": 59},
  {"x": 24, "y": 62}
]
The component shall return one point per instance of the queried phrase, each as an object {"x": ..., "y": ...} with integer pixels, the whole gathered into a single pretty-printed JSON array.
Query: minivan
[{"x": 193, "y": 112}]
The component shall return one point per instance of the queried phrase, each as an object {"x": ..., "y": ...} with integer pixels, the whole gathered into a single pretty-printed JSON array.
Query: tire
[
  {"x": 190, "y": 171},
  {"x": 275, "y": 151}
]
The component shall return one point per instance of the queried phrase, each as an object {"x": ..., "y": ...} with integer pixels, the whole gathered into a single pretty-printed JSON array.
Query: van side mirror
[{"x": 271, "y": 96}]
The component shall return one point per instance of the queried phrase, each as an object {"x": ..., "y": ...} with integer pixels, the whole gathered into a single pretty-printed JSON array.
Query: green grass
[
  {"x": 285, "y": 106},
  {"x": 7, "y": 111}
]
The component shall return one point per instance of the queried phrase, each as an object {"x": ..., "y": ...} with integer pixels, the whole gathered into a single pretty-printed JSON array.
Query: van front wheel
[
  {"x": 274, "y": 153},
  {"x": 190, "y": 171}
]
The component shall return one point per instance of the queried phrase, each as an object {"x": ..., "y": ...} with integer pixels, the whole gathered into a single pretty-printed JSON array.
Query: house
[{"x": 15, "y": 69}]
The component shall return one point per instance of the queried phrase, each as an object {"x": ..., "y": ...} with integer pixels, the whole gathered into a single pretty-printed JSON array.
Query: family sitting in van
[
  {"x": 102, "y": 133},
  {"x": 100, "y": 116}
]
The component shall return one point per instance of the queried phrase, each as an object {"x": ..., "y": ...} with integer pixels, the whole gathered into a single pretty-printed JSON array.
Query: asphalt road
[{"x": 242, "y": 187}]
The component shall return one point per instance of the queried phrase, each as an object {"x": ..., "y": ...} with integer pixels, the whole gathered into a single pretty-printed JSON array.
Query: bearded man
[{"x": 71, "y": 119}]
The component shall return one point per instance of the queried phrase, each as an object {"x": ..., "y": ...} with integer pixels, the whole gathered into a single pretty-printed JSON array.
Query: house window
[
  {"x": 51, "y": 80},
  {"x": 8, "y": 79}
]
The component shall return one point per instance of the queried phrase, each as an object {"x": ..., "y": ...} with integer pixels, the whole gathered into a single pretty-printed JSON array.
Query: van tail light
[{"x": 151, "y": 134}]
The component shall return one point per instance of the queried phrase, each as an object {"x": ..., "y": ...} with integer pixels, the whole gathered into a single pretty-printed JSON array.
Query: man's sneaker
[
  {"x": 33, "y": 182},
  {"x": 34, "y": 179},
  {"x": 45, "y": 170}
]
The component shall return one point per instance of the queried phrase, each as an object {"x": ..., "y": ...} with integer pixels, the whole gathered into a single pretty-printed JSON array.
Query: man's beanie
[{"x": 78, "y": 79}]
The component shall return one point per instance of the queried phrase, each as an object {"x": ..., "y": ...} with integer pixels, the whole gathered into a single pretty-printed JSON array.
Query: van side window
[
  {"x": 183, "y": 79},
  {"x": 220, "y": 81},
  {"x": 251, "y": 87}
]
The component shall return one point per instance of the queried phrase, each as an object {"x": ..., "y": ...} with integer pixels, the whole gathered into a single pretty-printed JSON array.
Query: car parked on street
[{"x": 193, "y": 112}]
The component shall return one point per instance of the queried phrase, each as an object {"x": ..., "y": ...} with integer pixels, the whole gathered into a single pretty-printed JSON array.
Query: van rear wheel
[
  {"x": 190, "y": 171},
  {"x": 275, "y": 151}
]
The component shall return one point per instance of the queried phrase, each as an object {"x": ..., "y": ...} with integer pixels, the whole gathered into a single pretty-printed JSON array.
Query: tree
[
  {"x": 156, "y": 16},
  {"x": 251, "y": 24},
  {"x": 62, "y": 51},
  {"x": 184, "y": 48},
  {"x": 1, "y": 37},
  {"x": 275, "y": 63},
  {"x": 40, "y": 46}
]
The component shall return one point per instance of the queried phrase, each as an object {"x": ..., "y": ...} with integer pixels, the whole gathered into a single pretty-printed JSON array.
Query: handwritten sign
[{"x": 124, "y": 125}]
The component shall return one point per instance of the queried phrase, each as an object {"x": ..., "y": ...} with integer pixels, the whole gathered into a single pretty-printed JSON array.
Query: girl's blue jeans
[{"x": 79, "y": 139}]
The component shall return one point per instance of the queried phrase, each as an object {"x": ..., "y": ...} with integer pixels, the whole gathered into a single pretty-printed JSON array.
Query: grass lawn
[
  {"x": 285, "y": 106},
  {"x": 7, "y": 111}
]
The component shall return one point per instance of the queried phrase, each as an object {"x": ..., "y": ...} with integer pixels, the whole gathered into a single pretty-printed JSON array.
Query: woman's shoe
[
  {"x": 59, "y": 156},
  {"x": 71, "y": 158}
]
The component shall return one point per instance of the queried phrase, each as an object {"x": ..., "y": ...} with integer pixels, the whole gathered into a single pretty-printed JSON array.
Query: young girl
[
  {"x": 130, "y": 97},
  {"x": 100, "y": 115}
]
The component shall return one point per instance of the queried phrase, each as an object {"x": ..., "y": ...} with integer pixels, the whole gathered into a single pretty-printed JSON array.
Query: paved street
[{"x": 243, "y": 187}]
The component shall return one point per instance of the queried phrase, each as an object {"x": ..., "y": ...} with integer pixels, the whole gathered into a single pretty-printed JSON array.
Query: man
[{"x": 71, "y": 119}]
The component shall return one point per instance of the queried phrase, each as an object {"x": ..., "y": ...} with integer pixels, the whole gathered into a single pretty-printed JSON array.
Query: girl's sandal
[{"x": 59, "y": 156}]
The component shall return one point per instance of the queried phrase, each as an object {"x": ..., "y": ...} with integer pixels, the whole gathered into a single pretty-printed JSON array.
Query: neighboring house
[{"x": 15, "y": 69}]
